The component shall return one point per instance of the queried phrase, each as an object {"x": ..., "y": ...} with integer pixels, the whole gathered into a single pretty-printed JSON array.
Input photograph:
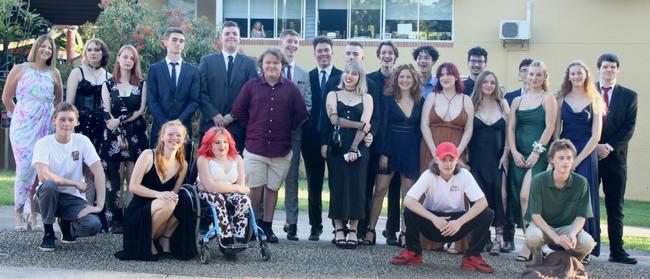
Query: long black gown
[
  {"x": 347, "y": 181},
  {"x": 485, "y": 151},
  {"x": 137, "y": 223}
]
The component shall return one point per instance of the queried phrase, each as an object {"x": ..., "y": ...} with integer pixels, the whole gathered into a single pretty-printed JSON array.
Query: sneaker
[
  {"x": 68, "y": 239},
  {"x": 476, "y": 263},
  {"x": 407, "y": 257},
  {"x": 315, "y": 233},
  {"x": 292, "y": 231},
  {"x": 48, "y": 244}
]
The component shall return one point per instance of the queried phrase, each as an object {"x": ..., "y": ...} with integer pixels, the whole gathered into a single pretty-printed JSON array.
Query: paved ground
[{"x": 92, "y": 258}]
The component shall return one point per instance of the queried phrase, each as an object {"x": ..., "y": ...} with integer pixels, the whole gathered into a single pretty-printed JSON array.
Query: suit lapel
[{"x": 184, "y": 69}]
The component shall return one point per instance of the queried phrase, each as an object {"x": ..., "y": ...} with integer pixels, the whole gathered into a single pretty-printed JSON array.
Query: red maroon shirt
[{"x": 269, "y": 113}]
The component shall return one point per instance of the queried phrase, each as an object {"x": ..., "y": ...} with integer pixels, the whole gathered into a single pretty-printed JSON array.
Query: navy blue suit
[{"x": 168, "y": 103}]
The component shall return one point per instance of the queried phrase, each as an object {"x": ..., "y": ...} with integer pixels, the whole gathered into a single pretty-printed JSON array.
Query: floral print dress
[{"x": 30, "y": 121}]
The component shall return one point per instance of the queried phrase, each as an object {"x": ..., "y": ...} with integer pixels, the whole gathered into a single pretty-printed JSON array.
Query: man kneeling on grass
[
  {"x": 558, "y": 205},
  {"x": 442, "y": 216},
  {"x": 58, "y": 160}
]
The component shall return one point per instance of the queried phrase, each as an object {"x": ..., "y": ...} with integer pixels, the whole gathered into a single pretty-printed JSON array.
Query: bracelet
[
  {"x": 363, "y": 126},
  {"x": 538, "y": 147},
  {"x": 353, "y": 150}
]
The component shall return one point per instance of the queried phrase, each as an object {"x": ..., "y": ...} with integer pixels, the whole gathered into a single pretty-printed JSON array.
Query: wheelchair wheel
[
  {"x": 264, "y": 250},
  {"x": 205, "y": 253}
]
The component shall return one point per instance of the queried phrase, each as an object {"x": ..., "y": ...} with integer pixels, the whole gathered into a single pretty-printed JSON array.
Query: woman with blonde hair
[
  {"x": 124, "y": 97},
  {"x": 580, "y": 120},
  {"x": 149, "y": 221},
  {"x": 349, "y": 111},
  {"x": 488, "y": 151},
  {"x": 530, "y": 128},
  {"x": 36, "y": 84}
]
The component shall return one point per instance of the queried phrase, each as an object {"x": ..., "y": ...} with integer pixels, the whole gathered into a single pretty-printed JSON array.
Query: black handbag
[{"x": 336, "y": 144}]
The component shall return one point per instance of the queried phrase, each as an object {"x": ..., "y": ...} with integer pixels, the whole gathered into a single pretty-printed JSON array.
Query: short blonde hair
[{"x": 361, "y": 87}]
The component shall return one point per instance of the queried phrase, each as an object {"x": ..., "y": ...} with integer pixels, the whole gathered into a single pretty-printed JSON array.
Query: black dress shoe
[
  {"x": 268, "y": 231},
  {"x": 508, "y": 246},
  {"x": 292, "y": 231},
  {"x": 622, "y": 257},
  {"x": 315, "y": 233},
  {"x": 391, "y": 239}
]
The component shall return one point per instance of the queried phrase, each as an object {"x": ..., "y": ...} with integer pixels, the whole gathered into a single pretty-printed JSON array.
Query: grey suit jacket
[
  {"x": 217, "y": 93},
  {"x": 301, "y": 80}
]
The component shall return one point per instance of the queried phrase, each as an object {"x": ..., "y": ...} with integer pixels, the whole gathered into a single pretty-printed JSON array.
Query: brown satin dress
[{"x": 442, "y": 131}]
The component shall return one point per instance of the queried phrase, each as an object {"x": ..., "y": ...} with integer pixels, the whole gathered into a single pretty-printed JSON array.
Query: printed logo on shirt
[
  {"x": 454, "y": 188},
  {"x": 75, "y": 155}
]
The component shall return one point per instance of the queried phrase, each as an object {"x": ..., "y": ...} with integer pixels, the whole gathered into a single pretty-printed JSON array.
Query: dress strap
[{"x": 82, "y": 73}]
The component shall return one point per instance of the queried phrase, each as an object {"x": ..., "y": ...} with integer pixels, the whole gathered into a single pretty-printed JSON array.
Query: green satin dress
[{"x": 530, "y": 126}]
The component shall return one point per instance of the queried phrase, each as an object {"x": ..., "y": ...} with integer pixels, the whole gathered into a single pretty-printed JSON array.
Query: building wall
[{"x": 561, "y": 31}]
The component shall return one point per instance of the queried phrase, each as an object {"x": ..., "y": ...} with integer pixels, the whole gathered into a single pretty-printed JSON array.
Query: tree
[{"x": 17, "y": 23}]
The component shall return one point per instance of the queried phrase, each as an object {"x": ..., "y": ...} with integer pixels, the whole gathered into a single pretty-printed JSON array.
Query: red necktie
[
  {"x": 606, "y": 97},
  {"x": 289, "y": 73}
]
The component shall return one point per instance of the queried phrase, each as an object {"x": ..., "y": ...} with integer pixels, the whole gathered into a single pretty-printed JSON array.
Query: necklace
[
  {"x": 449, "y": 100},
  {"x": 95, "y": 73}
]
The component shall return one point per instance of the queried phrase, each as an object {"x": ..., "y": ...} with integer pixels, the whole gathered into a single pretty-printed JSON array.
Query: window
[
  {"x": 289, "y": 15},
  {"x": 233, "y": 10},
  {"x": 333, "y": 18},
  {"x": 262, "y": 18},
  {"x": 435, "y": 20},
  {"x": 401, "y": 19},
  {"x": 365, "y": 19}
]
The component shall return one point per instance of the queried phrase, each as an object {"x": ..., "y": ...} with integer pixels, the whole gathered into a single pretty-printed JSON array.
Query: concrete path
[{"x": 92, "y": 258}]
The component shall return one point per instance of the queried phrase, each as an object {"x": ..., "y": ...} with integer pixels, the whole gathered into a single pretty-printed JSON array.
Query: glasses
[{"x": 476, "y": 61}]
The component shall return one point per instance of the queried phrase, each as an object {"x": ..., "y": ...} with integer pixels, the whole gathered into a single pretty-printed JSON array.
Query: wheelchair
[{"x": 206, "y": 216}]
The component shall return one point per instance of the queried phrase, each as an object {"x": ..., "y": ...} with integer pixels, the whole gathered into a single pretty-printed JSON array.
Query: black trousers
[
  {"x": 479, "y": 227},
  {"x": 612, "y": 171},
  {"x": 394, "y": 201},
  {"x": 315, "y": 171}
]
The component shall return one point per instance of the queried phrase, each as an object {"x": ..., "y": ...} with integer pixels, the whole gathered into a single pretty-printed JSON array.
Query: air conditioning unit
[{"x": 514, "y": 30}]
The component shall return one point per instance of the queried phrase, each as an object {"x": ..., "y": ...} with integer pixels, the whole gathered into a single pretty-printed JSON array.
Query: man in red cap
[{"x": 442, "y": 216}]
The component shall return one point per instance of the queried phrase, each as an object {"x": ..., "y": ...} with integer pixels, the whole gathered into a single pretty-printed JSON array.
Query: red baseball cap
[{"x": 446, "y": 149}]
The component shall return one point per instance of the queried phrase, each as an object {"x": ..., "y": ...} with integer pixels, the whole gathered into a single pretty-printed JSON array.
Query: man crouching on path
[
  {"x": 58, "y": 162},
  {"x": 559, "y": 203},
  {"x": 442, "y": 216}
]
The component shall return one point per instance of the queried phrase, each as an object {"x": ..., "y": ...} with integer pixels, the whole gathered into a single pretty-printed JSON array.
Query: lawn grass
[
  {"x": 6, "y": 187},
  {"x": 635, "y": 211},
  {"x": 631, "y": 242}
]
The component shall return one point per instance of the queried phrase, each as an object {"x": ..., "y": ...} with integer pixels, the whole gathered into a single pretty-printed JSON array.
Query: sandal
[
  {"x": 586, "y": 260},
  {"x": 495, "y": 250},
  {"x": 352, "y": 244},
  {"x": 401, "y": 239},
  {"x": 162, "y": 251},
  {"x": 340, "y": 242},
  {"x": 525, "y": 255},
  {"x": 32, "y": 223},
  {"x": 370, "y": 241},
  {"x": 21, "y": 226}
]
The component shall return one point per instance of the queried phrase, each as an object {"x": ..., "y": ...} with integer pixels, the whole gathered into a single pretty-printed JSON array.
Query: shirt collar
[
  {"x": 328, "y": 70},
  {"x": 226, "y": 54},
  {"x": 601, "y": 86},
  {"x": 167, "y": 60},
  {"x": 550, "y": 182}
]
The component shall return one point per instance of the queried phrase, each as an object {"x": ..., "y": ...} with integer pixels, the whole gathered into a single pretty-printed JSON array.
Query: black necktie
[
  {"x": 230, "y": 64},
  {"x": 173, "y": 74},
  {"x": 323, "y": 88}
]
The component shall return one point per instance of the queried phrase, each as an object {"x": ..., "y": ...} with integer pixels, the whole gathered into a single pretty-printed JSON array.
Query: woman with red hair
[
  {"x": 447, "y": 115},
  {"x": 222, "y": 180}
]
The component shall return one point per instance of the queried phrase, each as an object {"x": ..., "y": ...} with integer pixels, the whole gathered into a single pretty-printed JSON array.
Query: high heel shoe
[
  {"x": 21, "y": 226},
  {"x": 370, "y": 241},
  {"x": 33, "y": 224},
  {"x": 495, "y": 250},
  {"x": 340, "y": 243},
  {"x": 401, "y": 239},
  {"x": 352, "y": 243},
  {"x": 525, "y": 255}
]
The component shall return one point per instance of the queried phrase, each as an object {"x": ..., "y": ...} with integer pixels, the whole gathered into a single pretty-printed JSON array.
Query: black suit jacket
[
  {"x": 619, "y": 125},
  {"x": 217, "y": 93},
  {"x": 318, "y": 98},
  {"x": 510, "y": 96},
  {"x": 165, "y": 103}
]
